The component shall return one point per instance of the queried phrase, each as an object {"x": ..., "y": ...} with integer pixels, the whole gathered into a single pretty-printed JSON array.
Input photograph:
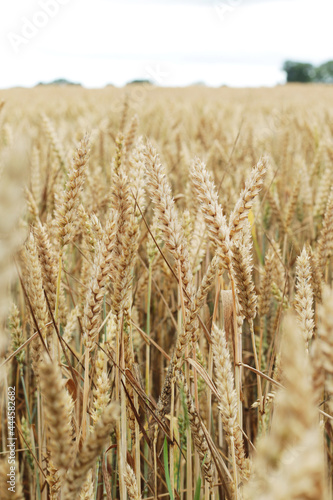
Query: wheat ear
[
  {"x": 289, "y": 460},
  {"x": 228, "y": 400},
  {"x": 131, "y": 484},
  {"x": 253, "y": 186},
  {"x": 58, "y": 406},
  {"x": 91, "y": 449},
  {"x": 304, "y": 296}
]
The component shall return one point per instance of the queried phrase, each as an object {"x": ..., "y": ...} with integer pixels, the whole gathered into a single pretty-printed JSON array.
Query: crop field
[{"x": 166, "y": 301}]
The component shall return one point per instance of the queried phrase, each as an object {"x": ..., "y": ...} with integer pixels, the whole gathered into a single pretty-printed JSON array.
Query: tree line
[{"x": 307, "y": 73}]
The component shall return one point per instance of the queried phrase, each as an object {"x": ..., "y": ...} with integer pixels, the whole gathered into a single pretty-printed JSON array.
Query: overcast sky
[{"x": 172, "y": 42}]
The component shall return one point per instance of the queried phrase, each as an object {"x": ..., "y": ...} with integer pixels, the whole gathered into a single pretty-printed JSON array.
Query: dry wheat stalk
[
  {"x": 216, "y": 222},
  {"x": 304, "y": 296},
  {"x": 87, "y": 490},
  {"x": 58, "y": 406},
  {"x": 52, "y": 479},
  {"x": 54, "y": 140},
  {"x": 228, "y": 400},
  {"x": 316, "y": 276},
  {"x": 38, "y": 302},
  {"x": 167, "y": 217},
  {"x": 266, "y": 284},
  {"x": 325, "y": 241},
  {"x": 198, "y": 431},
  {"x": 323, "y": 191},
  {"x": 68, "y": 202},
  {"x": 291, "y": 207},
  {"x": 16, "y": 332},
  {"x": 126, "y": 242},
  {"x": 280, "y": 471},
  {"x": 175, "y": 242},
  {"x": 103, "y": 264},
  {"x": 242, "y": 267},
  {"x": 130, "y": 135},
  {"x": 32, "y": 205},
  {"x": 36, "y": 186},
  {"x": 91, "y": 449},
  {"x": 253, "y": 186},
  {"x": 48, "y": 261},
  {"x": 131, "y": 485},
  {"x": 324, "y": 352}
]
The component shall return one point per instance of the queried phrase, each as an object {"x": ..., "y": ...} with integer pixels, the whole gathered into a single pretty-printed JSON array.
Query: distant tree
[
  {"x": 324, "y": 72},
  {"x": 140, "y": 82},
  {"x": 59, "y": 81},
  {"x": 63, "y": 81},
  {"x": 299, "y": 72}
]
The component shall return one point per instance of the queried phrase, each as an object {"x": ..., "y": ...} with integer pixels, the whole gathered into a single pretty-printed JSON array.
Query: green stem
[{"x": 26, "y": 399}]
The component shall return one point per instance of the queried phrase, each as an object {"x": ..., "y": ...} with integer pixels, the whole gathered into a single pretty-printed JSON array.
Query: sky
[{"x": 241, "y": 43}]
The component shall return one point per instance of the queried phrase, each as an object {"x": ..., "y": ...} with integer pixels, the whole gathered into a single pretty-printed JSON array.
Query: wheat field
[{"x": 166, "y": 293}]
